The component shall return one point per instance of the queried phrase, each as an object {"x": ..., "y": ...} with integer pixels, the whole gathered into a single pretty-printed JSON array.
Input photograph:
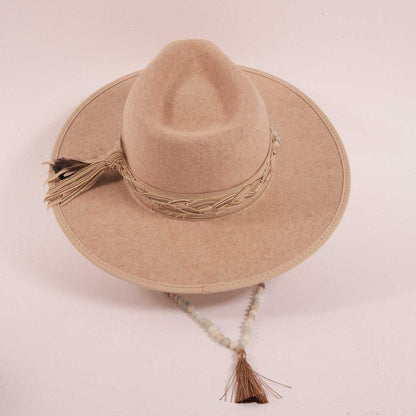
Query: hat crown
[{"x": 193, "y": 122}]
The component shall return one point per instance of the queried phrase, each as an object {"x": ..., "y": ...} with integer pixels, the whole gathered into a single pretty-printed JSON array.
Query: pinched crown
[{"x": 193, "y": 122}]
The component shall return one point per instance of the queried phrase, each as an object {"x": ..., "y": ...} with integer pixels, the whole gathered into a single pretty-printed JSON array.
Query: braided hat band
[{"x": 76, "y": 177}]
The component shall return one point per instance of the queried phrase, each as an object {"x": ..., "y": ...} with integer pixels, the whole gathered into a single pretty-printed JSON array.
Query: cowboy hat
[{"x": 171, "y": 178}]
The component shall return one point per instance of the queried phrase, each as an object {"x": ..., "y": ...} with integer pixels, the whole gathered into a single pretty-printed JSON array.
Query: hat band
[{"x": 76, "y": 177}]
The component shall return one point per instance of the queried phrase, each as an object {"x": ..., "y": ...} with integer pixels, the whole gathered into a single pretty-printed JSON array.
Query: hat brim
[{"x": 298, "y": 212}]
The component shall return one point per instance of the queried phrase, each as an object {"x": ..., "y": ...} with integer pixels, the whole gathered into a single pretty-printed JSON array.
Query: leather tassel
[
  {"x": 247, "y": 386},
  {"x": 73, "y": 177}
]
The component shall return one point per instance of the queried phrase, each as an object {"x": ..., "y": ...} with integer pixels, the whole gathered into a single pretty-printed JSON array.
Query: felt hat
[{"x": 171, "y": 178}]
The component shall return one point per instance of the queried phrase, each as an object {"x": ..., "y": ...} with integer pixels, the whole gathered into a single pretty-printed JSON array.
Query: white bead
[
  {"x": 249, "y": 321},
  {"x": 252, "y": 313},
  {"x": 214, "y": 335},
  {"x": 234, "y": 345},
  {"x": 243, "y": 343},
  {"x": 219, "y": 337},
  {"x": 247, "y": 330},
  {"x": 226, "y": 342},
  {"x": 196, "y": 315},
  {"x": 207, "y": 324},
  {"x": 212, "y": 329}
]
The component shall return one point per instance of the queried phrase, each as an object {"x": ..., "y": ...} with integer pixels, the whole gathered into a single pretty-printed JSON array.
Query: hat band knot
[
  {"x": 72, "y": 177},
  {"x": 116, "y": 158}
]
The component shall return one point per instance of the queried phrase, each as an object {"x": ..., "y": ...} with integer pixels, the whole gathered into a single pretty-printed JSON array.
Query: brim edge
[{"x": 218, "y": 286}]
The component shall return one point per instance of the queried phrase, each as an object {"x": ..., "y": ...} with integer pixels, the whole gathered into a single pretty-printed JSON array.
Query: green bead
[{"x": 226, "y": 341}]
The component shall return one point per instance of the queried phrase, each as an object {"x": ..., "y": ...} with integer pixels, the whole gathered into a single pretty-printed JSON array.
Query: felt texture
[
  {"x": 296, "y": 214},
  {"x": 195, "y": 116}
]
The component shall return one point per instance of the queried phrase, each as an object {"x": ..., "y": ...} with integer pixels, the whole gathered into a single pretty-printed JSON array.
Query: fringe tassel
[
  {"x": 78, "y": 176},
  {"x": 247, "y": 386}
]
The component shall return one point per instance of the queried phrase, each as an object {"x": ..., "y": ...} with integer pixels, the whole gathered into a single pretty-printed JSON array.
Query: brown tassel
[
  {"x": 76, "y": 176},
  {"x": 248, "y": 386}
]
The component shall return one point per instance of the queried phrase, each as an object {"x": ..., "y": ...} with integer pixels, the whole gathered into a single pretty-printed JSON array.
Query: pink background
[{"x": 340, "y": 327}]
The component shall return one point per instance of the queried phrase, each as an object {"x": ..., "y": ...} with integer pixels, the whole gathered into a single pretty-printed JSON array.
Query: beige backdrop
[{"x": 340, "y": 327}]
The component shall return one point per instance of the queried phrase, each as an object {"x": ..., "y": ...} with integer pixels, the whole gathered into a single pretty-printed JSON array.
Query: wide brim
[{"x": 297, "y": 213}]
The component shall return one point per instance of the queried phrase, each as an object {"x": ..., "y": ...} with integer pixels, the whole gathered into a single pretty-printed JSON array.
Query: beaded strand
[{"x": 213, "y": 331}]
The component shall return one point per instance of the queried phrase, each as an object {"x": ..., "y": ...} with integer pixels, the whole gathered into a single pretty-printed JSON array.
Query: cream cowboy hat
[{"x": 171, "y": 178}]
